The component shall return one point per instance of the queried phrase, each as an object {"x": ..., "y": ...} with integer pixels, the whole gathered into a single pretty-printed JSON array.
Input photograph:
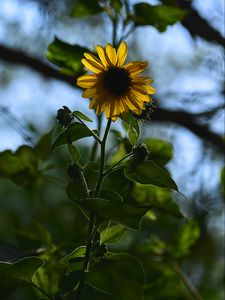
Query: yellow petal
[
  {"x": 111, "y": 54},
  {"x": 89, "y": 93},
  {"x": 136, "y": 67},
  {"x": 146, "y": 89},
  {"x": 93, "y": 66},
  {"x": 139, "y": 96},
  {"x": 121, "y": 54},
  {"x": 133, "y": 105},
  {"x": 141, "y": 80},
  {"x": 93, "y": 58},
  {"x": 102, "y": 56},
  {"x": 87, "y": 81}
]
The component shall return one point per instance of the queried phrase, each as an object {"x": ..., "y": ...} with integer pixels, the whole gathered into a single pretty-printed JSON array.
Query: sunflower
[{"x": 115, "y": 87}]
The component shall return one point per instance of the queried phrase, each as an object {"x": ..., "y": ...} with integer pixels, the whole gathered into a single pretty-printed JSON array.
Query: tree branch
[
  {"x": 190, "y": 122},
  {"x": 184, "y": 119}
]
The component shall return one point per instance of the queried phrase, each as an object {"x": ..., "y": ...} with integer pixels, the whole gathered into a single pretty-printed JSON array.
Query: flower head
[{"x": 115, "y": 87}]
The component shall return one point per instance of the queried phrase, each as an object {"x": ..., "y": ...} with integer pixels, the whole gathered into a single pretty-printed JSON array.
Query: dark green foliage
[
  {"x": 147, "y": 172},
  {"x": 72, "y": 133},
  {"x": 125, "y": 214},
  {"x": 108, "y": 274},
  {"x": 67, "y": 57},
  {"x": 159, "y": 16},
  {"x": 13, "y": 274},
  {"x": 83, "y": 8}
]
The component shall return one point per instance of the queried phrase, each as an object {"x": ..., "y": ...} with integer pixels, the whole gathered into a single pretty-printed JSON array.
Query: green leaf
[
  {"x": 76, "y": 190},
  {"x": 21, "y": 166},
  {"x": 74, "y": 152},
  {"x": 147, "y": 172},
  {"x": 84, "y": 8},
  {"x": 161, "y": 152},
  {"x": 73, "y": 132},
  {"x": 120, "y": 275},
  {"x": 125, "y": 214},
  {"x": 160, "y": 198},
  {"x": 42, "y": 149},
  {"x": 69, "y": 281},
  {"x": 159, "y": 16},
  {"x": 67, "y": 57},
  {"x": 82, "y": 116},
  {"x": 12, "y": 274},
  {"x": 132, "y": 135},
  {"x": 112, "y": 234},
  {"x": 185, "y": 237},
  {"x": 76, "y": 255},
  {"x": 116, "y": 4}
]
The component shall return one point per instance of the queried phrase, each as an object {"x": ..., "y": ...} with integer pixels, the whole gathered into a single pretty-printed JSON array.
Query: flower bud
[
  {"x": 64, "y": 116},
  {"x": 140, "y": 152}
]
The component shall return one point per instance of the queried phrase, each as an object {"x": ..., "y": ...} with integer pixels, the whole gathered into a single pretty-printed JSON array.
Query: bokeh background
[{"x": 187, "y": 64}]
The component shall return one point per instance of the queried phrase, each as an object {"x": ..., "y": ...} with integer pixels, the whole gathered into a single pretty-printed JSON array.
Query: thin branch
[{"x": 193, "y": 290}]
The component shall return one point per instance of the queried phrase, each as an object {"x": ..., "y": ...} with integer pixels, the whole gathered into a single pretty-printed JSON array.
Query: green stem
[
  {"x": 87, "y": 257},
  {"x": 94, "y": 149},
  {"x": 114, "y": 29},
  {"x": 111, "y": 169},
  {"x": 91, "y": 230},
  {"x": 102, "y": 163},
  {"x": 193, "y": 290}
]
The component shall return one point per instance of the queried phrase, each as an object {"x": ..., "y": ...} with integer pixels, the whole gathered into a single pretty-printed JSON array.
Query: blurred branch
[
  {"x": 184, "y": 119},
  {"x": 18, "y": 57},
  {"x": 193, "y": 290},
  {"x": 198, "y": 26},
  {"x": 190, "y": 122}
]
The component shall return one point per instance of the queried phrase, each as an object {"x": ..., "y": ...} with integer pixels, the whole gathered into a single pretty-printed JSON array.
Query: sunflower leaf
[
  {"x": 82, "y": 116},
  {"x": 120, "y": 275},
  {"x": 161, "y": 152},
  {"x": 73, "y": 132},
  {"x": 147, "y": 172},
  {"x": 67, "y": 57},
  {"x": 13, "y": 274},
  {"x": 125, "y": 214},
  {"x": 112, "y": 234},
  {"x": 83, "y": 8},
  {"x": 159, "y": 16},
  {"x": 74, "y": 152}
]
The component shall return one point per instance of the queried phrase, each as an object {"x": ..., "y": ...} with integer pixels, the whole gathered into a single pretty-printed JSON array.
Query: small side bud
[
  {"x": 73, "y": 171},
  {"x": 140, "y": 152},
  {"x": 64, "y": 116}
]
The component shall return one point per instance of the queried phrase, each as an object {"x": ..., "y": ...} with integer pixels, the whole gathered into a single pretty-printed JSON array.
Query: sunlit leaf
[
  {"x": 84, "y": 8},
  {"x": 120, "y": 275},
  {"x": 159, "y": 16},
  {"x": 161, "y": 152},
  {"x": 160, "y": 198},
  {"x": 67, "y": 57},
  {"x": 185, "y": 237},
  {"x": 112, "y": 234},
  {"x": 72, "y": 133},
  {"x": 147, "y": 172},
  {"x": 81, "y": 116}
]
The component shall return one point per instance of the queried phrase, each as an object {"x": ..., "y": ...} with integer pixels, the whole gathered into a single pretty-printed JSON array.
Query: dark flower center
[{"x": 117, "y": 81}]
